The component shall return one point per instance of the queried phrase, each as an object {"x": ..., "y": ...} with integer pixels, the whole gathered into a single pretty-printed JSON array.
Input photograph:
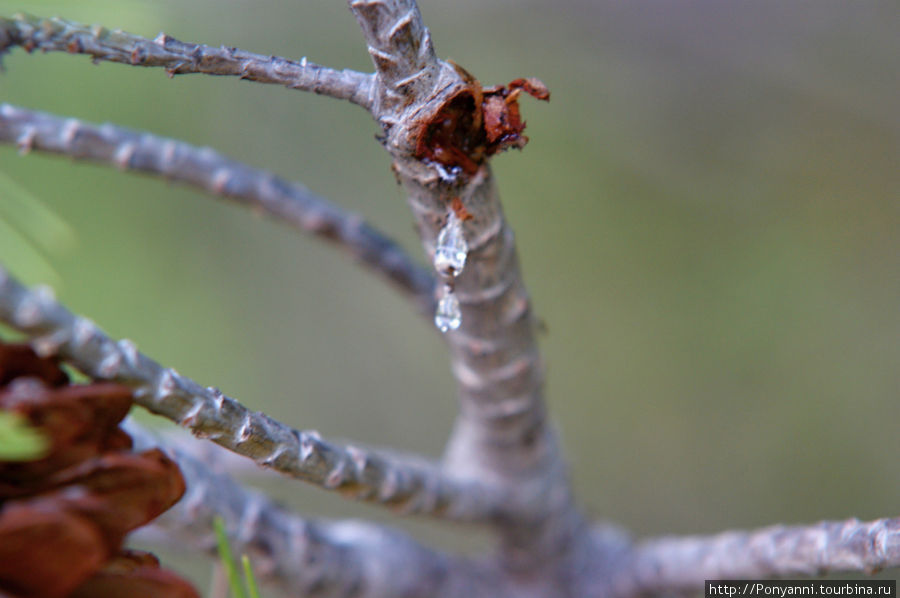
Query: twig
[
  {"x": 402, "y": 483},
  {"x": 221, "y": 176},
  {"x": 176, "y": 57},
  {"x": 347, "y": 559},
  {"x": 682, "y": 564}
]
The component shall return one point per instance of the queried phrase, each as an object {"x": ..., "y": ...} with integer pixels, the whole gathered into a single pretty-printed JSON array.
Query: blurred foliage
[
  {"x": 29, "y": 231},
  {"x": 707, "y": 217},
  {"x": 18, "y": 440}
]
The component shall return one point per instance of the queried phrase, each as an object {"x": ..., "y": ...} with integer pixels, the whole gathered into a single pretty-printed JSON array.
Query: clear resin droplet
[
  {"x": 451, "y": 249},
  {"x": 447, "y": 316}
]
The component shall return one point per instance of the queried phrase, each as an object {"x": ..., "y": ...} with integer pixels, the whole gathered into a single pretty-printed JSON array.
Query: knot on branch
[{"x": 475, "y": 123}]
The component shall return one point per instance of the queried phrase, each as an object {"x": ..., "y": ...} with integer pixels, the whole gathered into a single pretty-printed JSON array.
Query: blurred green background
[{"x": 707, "y": 216}]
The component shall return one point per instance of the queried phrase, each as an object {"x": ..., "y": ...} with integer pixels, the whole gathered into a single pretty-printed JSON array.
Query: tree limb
[
  {"x": 682, "y": 564},
  {"x": 176, "y": 57},
  {"x": 502, "y": 435},
  {"x": 346, "y": 559},
  {"x": 405, "y": 484},
  {"x": 210, "y": 171}
]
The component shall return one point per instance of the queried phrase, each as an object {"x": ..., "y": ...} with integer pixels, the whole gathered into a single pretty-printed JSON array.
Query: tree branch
[
  {"x": 347, "y": 559},
  {"x": 405, "y": 484},
  {"x": 176, "y": 57},
  {"x": 682, "y": 564},
  {"x": 401, "y": 49},
  {"x": 210, "y": 171},
  {"x": 502, "y": 435}
]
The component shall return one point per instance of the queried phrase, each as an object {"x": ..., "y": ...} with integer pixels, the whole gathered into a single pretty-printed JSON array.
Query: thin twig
[
  {"x": 224, "y": 177},
  {"x": 405, "y": 484},
  {"x": 176, "y": 57},
  {"x": 347, "y": 559},
  {"x": 682, "y": 564}
]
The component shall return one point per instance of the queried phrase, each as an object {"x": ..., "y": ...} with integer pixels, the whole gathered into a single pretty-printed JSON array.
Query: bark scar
[{"x": 475, "y": 123}]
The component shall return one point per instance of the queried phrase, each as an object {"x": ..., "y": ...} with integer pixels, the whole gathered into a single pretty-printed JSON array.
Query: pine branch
[
  {"x": 347, "y": 559},
  {"x": 502, "y": 434},
  {"x": 682, "y": 564},
  {"x": 401, "y": 49},
  {"x": 405, "y": 484},
  {"x": 176, "y": 57},
  {"x": 211, "y": 172}
]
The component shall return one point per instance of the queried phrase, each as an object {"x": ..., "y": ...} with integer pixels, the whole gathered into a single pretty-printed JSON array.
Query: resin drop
[
  {"x": 447, "y": 317},
  {"x": 451, "y": 249}
]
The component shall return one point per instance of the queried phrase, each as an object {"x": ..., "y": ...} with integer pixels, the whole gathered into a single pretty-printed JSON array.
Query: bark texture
[
  {"x": 503, "y": 467},
  {"x": 346, "y": 559},
  {"x": 176, "y": 57},
  {"x": 406, "y": 484},
  {"x": 501, "y": 435}
]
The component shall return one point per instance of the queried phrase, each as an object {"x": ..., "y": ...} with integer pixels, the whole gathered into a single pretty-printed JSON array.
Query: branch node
[
  {"x": 83, "y": 331},
  {"x": 123, "y": 155},
  {"x": 138, "y": 55},
  {"x": 336, "y": 476},
  {"x": 272, "y": 460},
  {"x": 245, "y": 430},
  {"x": 219, "y": 181},
  {"x": 308, "y": 442},
  {"x": 70, "y": 131},
  {"x": 30, "y": 310},
  {"x": 49, "y": 344},
  {"x": 169, "y": 150},
  {"x": 383, "y": 60},
  {"x": 389, "y": 487},
  {"x": 25, "y": 141},
  {"x": 403, "y": 25},
  {"x": 166, "y": 384},
  {"x": 190, "y": 418},
  {"x": 359, "y": 459},
  {"x": 111, "y": 364}
]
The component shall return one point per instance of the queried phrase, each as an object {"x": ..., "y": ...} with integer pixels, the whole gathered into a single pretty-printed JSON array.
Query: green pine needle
[
  {"x": 234, "y": 578},
  {"x": 248, "y": 576}
]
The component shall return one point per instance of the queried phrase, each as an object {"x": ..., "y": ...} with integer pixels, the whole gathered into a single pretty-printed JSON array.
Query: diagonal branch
[
  {"x": 682, "y": 564},
  {"x": 405, "y": 484},
  {"x": 176, "y": 57},
  {"x": 349, "y": 559},
  {"x": 218, "y": 175}
]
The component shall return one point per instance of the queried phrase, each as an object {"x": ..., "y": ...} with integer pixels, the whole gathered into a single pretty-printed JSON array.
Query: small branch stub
[{"x": 475, "y": 124}]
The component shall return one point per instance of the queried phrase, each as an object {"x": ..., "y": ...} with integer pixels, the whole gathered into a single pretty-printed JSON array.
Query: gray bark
[
  {"x": 503, "y": 467},
  {"x": 208, "y": 170},
  {"x": 176, "y": 57},
  {"x": 406, "y": 484}
]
